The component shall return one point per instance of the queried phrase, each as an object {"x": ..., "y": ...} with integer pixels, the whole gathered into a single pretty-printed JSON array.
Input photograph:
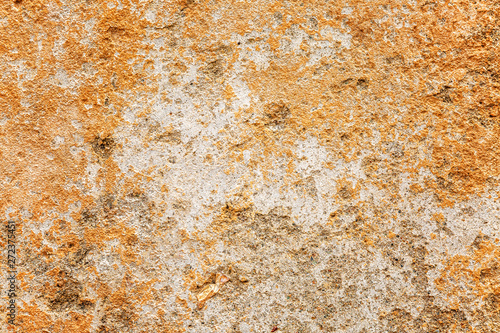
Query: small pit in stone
[
  {"x": 276, "y": 113},
  {"x": 103, "y": 146}
]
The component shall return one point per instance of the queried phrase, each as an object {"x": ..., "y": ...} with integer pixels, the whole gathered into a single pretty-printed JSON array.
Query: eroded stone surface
[{"x": 337, "y": 161}]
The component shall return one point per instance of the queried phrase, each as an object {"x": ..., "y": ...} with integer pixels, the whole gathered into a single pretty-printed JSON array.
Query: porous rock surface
[{"x": 338, "y": 161}]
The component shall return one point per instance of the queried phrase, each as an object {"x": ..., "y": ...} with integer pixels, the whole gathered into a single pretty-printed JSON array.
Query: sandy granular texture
[{"x": 337, "y": 161}]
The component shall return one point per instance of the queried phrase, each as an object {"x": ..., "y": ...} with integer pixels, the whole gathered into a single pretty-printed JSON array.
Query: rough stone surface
[{"x": 338, "y": 161}]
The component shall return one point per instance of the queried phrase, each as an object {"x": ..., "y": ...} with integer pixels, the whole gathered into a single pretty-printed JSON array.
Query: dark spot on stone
[
  {"x": 397, "y": 151},
  {"x": 441, "y": 320},
  {"x": 398, "y": 262},
  {"x": 444, "y": 94},
  {"x": 118, "y": 318},
  {"x": 420, "y": 268},
  {"x": 85, "y": 304},
  {"x": 476, "y": 116},
  {"x": 173, "y": 136},
  {"x": 398, "y": 59},
  {"x": 332, "y": 278},
  {"x": 344, "y": 137},
  {"x": 276, "y": 113},
  {"x": 168, "y": 224},
  {"x": 236, "y": 224},
  {"x": 78, "y": 257},
  {"x": 490, "y": 274},
  {"x": 479, "y": 240},
  {"x": 181, "y": 205},
  {"x": 492, "y": 302},
  {"x": 322, "y": 69},
  {"x": 185, "y": 4},
  {"x": 108, "y": 203},
  {"x": 227, "y": 49},
  {"x": 89, "y": 219},
  {"x": 38, "y": 264},
  {"x": 214, "y": 69},
  {"x": 459, "y": 177},
  {"x": 306, "y": 258},
  {"x": 313, "y": 23},
  {"x": 370, "y": 166},
  {"x": 131, "y": 240},
  {"x": 103, "y": 147},
  {"x": 351, "y": 210},
  {"x": 115, "y": 31},
  {"x": 362, "y": 84},
  {"x": 67, "y": 294},
  {"x": 398, "y": 320},
  {"x": 345, "y": 193},
  {"x": 444, "y": 184},
  {"x": 346, "y": 82},
  {"x": 308, "y": 186}
]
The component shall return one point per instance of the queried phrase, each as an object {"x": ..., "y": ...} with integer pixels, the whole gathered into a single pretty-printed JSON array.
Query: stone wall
[{"x": 251, "y": 165}]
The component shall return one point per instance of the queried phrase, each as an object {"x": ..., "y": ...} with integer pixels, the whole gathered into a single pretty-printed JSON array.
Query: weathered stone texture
[{"x": 337, "y": 161}]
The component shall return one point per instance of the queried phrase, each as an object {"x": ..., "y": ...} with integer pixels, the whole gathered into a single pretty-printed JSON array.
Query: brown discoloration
[{"x": 103, "y": 147}]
